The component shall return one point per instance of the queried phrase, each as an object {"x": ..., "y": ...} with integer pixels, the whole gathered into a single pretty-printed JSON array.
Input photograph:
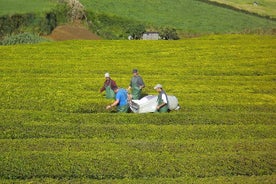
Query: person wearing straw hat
[
  {"x": 162, "y": 100},
  {"x": 108, "y": 87},
  {"x": 136, "y": 85}
]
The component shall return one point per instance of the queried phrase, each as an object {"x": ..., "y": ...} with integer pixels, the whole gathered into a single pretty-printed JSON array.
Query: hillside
[
  {"x": 10, "y": 7},
  {"x": 262, "y": 7},
  {"x": 73, "y": 31},
  {"x": 112, "y": 20},
  {"x": 189, "y": 16}
]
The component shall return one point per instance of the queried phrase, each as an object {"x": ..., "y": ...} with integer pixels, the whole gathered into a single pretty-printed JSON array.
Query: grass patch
[
  {"x": 189, "y": 16},
  {"x": 261, "y": 7},
  {"x": 10, "y": 7}
]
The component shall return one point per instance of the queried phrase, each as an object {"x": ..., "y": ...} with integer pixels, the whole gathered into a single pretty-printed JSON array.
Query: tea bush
[{"x": 55, "y": 128}]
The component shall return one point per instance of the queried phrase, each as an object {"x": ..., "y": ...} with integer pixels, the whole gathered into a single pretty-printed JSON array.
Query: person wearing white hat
[
  {"x": 162, "y": 100},
  {"x": 108, "y": 87}
]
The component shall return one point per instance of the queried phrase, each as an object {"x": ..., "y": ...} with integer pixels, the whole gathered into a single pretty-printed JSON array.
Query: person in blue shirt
[{"x": 121, "y": 100}]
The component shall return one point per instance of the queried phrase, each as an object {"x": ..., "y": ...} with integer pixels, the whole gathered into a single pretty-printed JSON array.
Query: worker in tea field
[
  {"x": 121, "y": 100},
  {"x": 136, "y": 85},
  {"x": 108, "y": 87},
  {"x": 162, "y": 100}
]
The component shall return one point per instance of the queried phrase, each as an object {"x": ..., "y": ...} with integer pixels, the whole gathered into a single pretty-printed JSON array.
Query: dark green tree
[
  {"x": 136, "y": 31},
  {"x": 168, "y": 33}
]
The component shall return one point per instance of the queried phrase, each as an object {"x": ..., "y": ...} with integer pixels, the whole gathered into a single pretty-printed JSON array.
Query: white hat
[
  {"x": 158, "y": 86},
  {"x": 106, "y": 75}
]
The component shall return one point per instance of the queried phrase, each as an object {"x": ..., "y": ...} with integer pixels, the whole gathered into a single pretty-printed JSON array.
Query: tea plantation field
[{"x": 55, "y": 129}]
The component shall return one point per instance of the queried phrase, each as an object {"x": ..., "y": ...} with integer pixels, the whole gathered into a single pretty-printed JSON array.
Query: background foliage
[
  {"x": 10, "y": 7},
  {"x": 119, "y": 19},
  {"x": 261, "y": 7},
  {"x": 186, "y": 16},
  {"x": 37, "y": 17},
  {"x": 24, "y": 38}
]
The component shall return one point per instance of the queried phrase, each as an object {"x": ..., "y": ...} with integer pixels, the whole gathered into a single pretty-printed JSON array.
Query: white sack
[{"x": 149, "y": 103}]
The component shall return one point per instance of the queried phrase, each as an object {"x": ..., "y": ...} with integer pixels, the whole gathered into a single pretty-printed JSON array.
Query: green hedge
[
  {"x": 132, "y": 164},
  {"x": 23, "y": 38},
  {"x": 19, "y": 23},
  {"x": 189, "y": 180},
  {"x": 110, "y": 131},
  {"x": 184, "y": 146},
  {"x": 37, "y": 23},
  {"x": 182, "y": 118},
  {"x": 265, "y": 179},
  {"x": 112, "y": 27}
]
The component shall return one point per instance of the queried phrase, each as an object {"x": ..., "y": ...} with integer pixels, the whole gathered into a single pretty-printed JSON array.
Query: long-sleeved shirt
[{"x": 110, "y": 83}]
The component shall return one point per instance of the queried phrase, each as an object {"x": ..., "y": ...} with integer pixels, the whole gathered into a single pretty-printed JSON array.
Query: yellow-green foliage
[
  {"x": 55, "y": 129},
  {"x": 228, "y": 72}
]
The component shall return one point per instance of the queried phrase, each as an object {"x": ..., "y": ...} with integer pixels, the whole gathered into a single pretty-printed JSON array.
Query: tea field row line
[
  {"x": 196, "y": 116},
  {"x": 119, "y": 165},
  {"x": 189, "y": 146},
  {"x": 136, "y": 131},
  {"x": 264, "y": 179}
]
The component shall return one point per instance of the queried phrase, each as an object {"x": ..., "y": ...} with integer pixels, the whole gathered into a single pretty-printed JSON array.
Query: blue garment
[{"x": 121, "y": 95}]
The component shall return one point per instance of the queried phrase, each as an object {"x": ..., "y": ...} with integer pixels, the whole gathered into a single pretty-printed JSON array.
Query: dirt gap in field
[{"x": 73, "y": 31}]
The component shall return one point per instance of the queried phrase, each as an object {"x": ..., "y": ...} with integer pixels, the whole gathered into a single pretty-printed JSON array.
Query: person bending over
[{"x": 121, "y": 100}]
